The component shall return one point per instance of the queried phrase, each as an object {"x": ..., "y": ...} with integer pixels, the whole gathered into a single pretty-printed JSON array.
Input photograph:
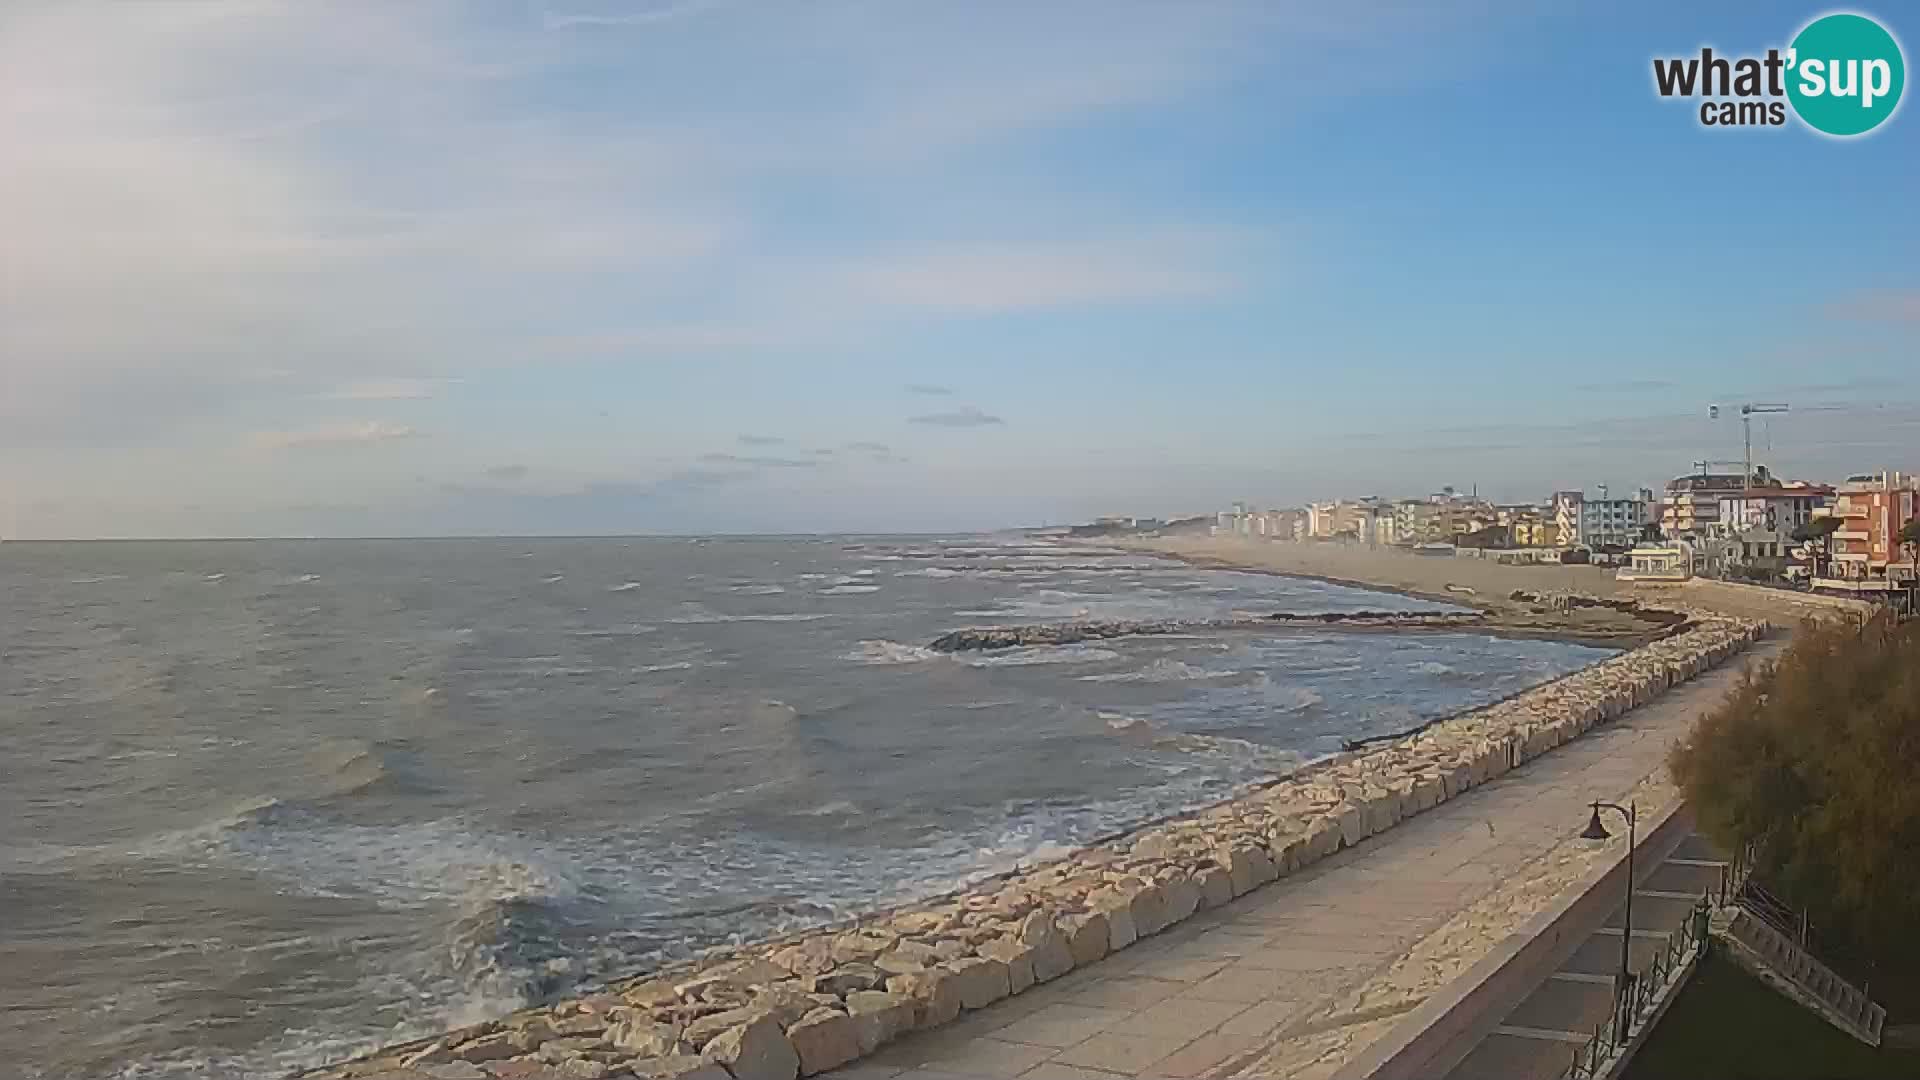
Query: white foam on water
[
  {"x": 890, "y": 652},
  {"x": 554, "y": 578},
  {"x": 1430, "y": 667},
  {"x": 847, "y": 590},
  {"x": 930, "y": 572},
  {"x": 678, "y": 665},
  {"x": 1160, "y": 671},
  {"x": 1294, "y": 698},
  {"x": 757, "y": 590},
  {"x": 626, "y": 587},
  {"x": 697, "y": 613}
]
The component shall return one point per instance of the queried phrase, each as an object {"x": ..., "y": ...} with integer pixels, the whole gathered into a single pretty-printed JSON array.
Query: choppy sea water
[{"x": 263, "y": 804}]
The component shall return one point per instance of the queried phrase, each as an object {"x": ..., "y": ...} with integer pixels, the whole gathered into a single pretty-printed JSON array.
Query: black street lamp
[{"x": 1596, "y": 831}]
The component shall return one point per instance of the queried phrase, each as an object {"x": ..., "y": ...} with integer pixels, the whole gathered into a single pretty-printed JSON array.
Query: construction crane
[{"x": 1746, "y": 423}]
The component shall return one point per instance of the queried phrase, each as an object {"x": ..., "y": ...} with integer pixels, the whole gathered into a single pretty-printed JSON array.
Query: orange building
[{"x": 1873, "y": 508}]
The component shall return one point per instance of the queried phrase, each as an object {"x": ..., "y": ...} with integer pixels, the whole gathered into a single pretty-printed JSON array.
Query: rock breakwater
[
  {"x": 810, "y": 1002},
  {"x": 980, "y": 638}
]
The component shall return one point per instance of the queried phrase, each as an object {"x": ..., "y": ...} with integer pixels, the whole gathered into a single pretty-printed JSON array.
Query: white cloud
[
  {"x": 371, "y": 431},
  {"x": 211, "y": 211}
]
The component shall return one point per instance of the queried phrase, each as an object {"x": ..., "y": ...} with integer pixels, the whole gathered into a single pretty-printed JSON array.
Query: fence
[
  {"x": 1636, "y": 1002},
  {"x": 1642, "y": 996}
]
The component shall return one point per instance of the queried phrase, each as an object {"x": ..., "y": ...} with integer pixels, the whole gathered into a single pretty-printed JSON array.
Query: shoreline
[
  {"x": 824, "y": 996},
  {"x": 1502, "y": 616}
]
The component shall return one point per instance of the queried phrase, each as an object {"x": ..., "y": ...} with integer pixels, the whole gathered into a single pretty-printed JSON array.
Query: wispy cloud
[
  {"x": 575, "y": 13},
  {"x": 508, "y": 472},
  {"x": 929, "y": 389},
  {"x": 387, "y": 390},
  {"x": 1879, "y": 305},
  {"x": 336, "y": 435},
  {"x": 761, "y": 440},
  {"x": 867, "y": 447},
  {"x": 758, "y": 461},
  {"x": 668, "y": 338},
  {"x": 963, "y": 417}
]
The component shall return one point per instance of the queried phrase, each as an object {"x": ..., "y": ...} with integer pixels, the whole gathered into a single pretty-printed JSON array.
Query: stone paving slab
[{"x": 1294, "y": 977}]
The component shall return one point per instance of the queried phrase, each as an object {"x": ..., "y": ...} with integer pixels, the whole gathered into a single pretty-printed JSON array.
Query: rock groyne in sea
[
  {"x": 980, "y": 638},
  {"x": 1523, "y": 614},
  {"x": 813, "y": 1001}
]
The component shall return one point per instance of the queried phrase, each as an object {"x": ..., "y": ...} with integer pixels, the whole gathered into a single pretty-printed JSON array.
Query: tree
[
  {"x": 1818, "y": 531},
  {"x": 1813, "y": 760}
]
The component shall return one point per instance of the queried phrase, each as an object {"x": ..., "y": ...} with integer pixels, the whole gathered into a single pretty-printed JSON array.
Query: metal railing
[
  {"x": 1635, "y": 1002},
  {"x": 1735, "y": 875},
  {"x": 1775, "y": 912},
  {"x": 1789, "y": 959}
]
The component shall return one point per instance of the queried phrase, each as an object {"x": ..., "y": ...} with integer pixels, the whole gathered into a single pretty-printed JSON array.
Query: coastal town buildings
[
  {"x": 1604, "y": 522},
  {"x": 1782, "y": 507},
  {"x": 1691, "y": 504},
  {"x": 1415, "y": 521},
  {"x": 1867, "y": 555},
  {"x": 1536, "y": 531},
  {"x": 1710, "y": 525},
  {"x": 1566, "y": 515},
  {"x": 1615, "y": 522}
]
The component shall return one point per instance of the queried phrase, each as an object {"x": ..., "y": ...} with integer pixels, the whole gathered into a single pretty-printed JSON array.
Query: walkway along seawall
[{"x": 816, "y": 1000}]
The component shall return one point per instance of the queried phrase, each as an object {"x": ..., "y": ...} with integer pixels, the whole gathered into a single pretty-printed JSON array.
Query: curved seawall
[{"x": 807, "y": 1003}]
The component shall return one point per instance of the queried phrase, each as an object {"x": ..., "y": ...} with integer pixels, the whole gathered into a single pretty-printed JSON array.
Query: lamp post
[{"x": 1597, "y": 831}]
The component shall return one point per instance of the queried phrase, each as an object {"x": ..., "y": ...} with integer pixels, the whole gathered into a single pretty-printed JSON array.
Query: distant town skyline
[{"x": 619, "y": 266}]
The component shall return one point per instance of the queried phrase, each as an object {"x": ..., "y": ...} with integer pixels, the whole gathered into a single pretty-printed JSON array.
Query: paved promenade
[{"x": 1293, "y": 978}]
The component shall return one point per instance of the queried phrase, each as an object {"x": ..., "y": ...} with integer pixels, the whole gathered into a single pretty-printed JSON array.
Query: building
[
  {"x": 1566, "y": 515},
  {"x": 1774, "y": 507},
  {"x": 1603, "y": 522},
  {"x": 1615, "y": 523},
  {"x": 1416, "y": 521},
  {"x": 1867, "y": 554},
  {"x": 1536, "y": 532},
  {"x": 1658, "y": 562},
  {"x": 1691, "y": 504}
]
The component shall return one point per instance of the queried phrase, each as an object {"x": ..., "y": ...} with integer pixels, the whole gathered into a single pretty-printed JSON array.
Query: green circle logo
[{"x": 1845, "y": 74}]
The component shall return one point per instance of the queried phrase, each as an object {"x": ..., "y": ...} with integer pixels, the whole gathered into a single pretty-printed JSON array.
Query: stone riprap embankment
[{"x": 808, "y": 1003}]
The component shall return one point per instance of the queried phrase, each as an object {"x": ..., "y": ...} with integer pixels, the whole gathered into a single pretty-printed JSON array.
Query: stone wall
[{"x": 808, "y": 1003}]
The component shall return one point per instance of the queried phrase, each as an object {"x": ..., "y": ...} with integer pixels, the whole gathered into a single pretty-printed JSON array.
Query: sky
[{"x": 413, "y": 267}]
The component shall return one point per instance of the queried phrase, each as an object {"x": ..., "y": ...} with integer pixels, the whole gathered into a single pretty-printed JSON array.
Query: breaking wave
[
  {"x": 1160, "y": 671},
  {"x": 890, "y": 652}
]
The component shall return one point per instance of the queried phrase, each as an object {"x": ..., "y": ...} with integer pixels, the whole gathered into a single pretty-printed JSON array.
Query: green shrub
[{"x": 1816, "y": 758}]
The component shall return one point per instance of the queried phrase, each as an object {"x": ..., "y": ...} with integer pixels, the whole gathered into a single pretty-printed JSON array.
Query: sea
[{"x": 264, "y": 804}]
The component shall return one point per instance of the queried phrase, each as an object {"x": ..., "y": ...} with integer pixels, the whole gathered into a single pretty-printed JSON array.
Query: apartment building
[{"x": 1867, "y": 554}]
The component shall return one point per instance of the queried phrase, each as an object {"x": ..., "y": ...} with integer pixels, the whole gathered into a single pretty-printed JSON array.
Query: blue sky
[{"x": 568, "y": 266}]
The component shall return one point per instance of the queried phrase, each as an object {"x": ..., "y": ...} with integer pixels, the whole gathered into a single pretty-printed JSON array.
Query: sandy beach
[{"x": 1442, "y": 577}]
